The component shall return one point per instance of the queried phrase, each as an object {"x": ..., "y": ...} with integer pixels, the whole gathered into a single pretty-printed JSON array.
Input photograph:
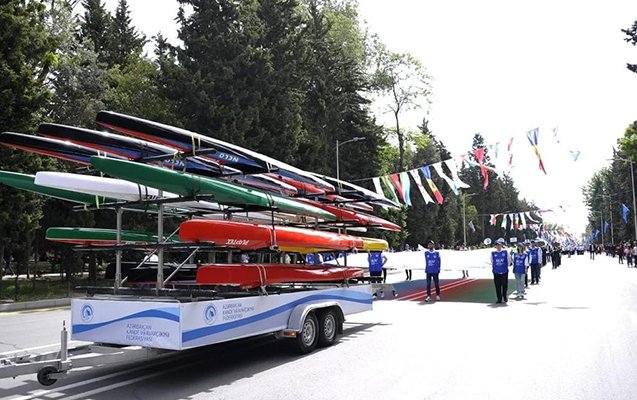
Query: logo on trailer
[
  {"x": 87, "y": 313},
  {"x": 210, "y": 314}
]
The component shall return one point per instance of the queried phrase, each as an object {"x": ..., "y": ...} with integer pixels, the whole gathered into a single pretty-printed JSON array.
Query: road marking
[{"x": 84, "y": 395}]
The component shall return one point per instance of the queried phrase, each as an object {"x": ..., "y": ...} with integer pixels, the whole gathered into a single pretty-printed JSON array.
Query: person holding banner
[
  {"x": 500, "y": 261},
  {"x": 432, "y": 269},
  {"x": 377, "y": 260},
  {"x": 520, "y": 266}
]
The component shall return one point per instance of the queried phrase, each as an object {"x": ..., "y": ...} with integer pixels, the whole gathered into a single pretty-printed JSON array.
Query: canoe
[
  {"x": 131, "y": 148},
  {"x": 50, "y": 147},
  {"x": 99, "y": 236},
  {"x": 185, "y": 184},
  {"x": 227, "y": 153},
  {"x": 253, "y": 237},
  {"x": 347, "y": 215},
  {"x": 115, "y": 188},
  {"x": 256, "y": 275}
]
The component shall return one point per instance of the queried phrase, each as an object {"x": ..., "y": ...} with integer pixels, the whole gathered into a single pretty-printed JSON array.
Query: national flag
[
  {"x": 414, "y": 174},
  {"x": 427, "y": 174},
  {"x": 509, "y": 148},
  {"x": 575, "y": 154},
  {"x": 606, "y": 225},
  {"x": 493, "y": 220},
  {"x": 390, "y": 187},
  {"x": 441, "y": 173},
  {"x": 453, "y": 167},
  {"x": 625, "y": 211},
  {"x": 533, "y": 139},
  {"x": 404, "y": 181},
  {"x": 479, "y": 154},
  {"x": 472, "y": 227},
  {"x": 399, "y": 188}
]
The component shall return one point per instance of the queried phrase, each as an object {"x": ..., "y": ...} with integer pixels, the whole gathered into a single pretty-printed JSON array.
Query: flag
[
  {"x": 421, "y": 188},
  {"x": 575, "y": 154},
  {"x": 625, "y": 211},
  {"x": 385, "y": 179},
  {"x": 595, "y": 233},
  {"x": 528, "y": 216},
  {"x": 377, "y": 186},
  {"x": 399, "y": 188},
  {"x": 533, "y": 139},
  {"x": 472, "y": 227},
  {"x": 513, "y": 225},
  {"x": 427, "y": 173},
  {"x": 479, "y": 153},
  {"x": 453, "y": 167},
  {"x": 509, "y": 147},
  {"x": 494, "y": 219},
  {"x": 441, "y": 173},
  {"x": 404, "y": 180},
  {"x": 557, "y": 139},
  {"x": 504, "y": 222},
  {"x": 523, "y": 220},
  {"x": 606, "y": 225}
]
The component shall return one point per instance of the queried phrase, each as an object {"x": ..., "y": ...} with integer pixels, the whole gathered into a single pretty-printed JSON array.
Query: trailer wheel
[
  {"x": 308, "y": 337},
  {"x": 328, "y": 327},
  {"x": 43, "y": 376}
]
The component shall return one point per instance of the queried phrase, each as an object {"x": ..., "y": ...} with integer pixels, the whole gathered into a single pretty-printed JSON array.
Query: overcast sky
[{"x": 502, "y": 68}]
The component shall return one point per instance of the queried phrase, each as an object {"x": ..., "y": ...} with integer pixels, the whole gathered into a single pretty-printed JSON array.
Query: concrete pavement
[{"x": 573, "y": 338}]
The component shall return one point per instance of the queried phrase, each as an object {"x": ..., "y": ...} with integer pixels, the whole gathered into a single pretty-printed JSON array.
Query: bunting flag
[
  {"x": 421, "y": 188},
  {"x": 377, "y": 186},
  {"x": 625, "y": 211},
  {"x": 517, "y": 222},
  {"x": 512, "y": 219},
  {"x": 473, "y": 227},
  {"x": 606, "y": 225},
  {"x": 575, "y": 154},
  {"x": 453, "y": 167},
  {"x": 528, "y": 216},
  {"x": 427, "y": 173},
  {"x": 596, "y": 233},
  {"x": 523, "y": 220},
  {"x": 479, "y": 153},
  {"x": 533, "y": 139},
  {"x": 509, "y": 150},
  {"x": 390, "y": 188},
  {"x": 399, "y": 188},
  {"x": 441, "y": 173},
  {"x": 504, "y": 222},
  {"x": 404, "y": 180},
  {"x": 557, "y": 139},
  {"x": 493, "y": 219}
]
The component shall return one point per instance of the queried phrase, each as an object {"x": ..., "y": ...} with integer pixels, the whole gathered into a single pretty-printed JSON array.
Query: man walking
[
  {"x": 535, "y": 260},
  {"x": 500, "y": 261},
  {"x": 432, "y": 268}
]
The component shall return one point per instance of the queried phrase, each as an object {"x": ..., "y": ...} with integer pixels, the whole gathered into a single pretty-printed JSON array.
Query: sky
[{"x": 501, "y": 68}]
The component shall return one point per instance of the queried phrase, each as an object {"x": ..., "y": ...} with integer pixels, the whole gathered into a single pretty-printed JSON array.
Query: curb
[{"x": 34, "y": 305}]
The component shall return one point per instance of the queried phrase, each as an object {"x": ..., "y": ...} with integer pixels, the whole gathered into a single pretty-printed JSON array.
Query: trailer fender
[{"x": 295, "y": 322}]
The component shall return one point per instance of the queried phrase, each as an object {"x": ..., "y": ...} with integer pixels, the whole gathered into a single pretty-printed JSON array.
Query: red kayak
[
  {"x": 246, "y": 236},
  {"x": 344, "y": 214},
  {"x": 255, "y": 275}
]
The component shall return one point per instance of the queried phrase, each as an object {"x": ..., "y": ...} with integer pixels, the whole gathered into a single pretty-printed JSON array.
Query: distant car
[{"x": 580, "y": 250}]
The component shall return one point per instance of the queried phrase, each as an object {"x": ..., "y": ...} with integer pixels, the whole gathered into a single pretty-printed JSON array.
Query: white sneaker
[
  {"x": 427, "y": 299},
  {"x": 437, "y": 298}
]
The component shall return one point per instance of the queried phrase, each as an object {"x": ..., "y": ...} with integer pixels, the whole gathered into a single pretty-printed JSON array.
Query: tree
[
  {"x": 124, "y": 40},
  {"x": 402, "y": 79},
  {"x": 26, "y": 55},
  {"x": 95, "y": 27},
  {"x": 631, "y": 37}
]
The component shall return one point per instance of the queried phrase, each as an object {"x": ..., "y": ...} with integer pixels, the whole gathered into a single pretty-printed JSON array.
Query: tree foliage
[{"x": 631, "y": 37}]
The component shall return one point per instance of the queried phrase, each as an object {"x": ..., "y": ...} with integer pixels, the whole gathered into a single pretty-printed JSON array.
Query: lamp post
[
  {"x": 632, "y": 181},
  {"x": 338, "y": 145},
  {"x": 464, "y": 217}
]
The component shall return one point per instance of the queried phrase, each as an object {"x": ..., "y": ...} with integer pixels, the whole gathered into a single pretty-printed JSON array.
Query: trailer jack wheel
[{"x": 43, "y": 376}]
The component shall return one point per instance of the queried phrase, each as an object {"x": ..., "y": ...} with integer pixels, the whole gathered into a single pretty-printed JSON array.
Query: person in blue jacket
[
  {"x": 535, "y": 261},
  {"x": 500, "y": 261},
  {"x": 376, "y": 260},
  {"x": 520, "y": 265},
  {"x": 432, "y": 269}
]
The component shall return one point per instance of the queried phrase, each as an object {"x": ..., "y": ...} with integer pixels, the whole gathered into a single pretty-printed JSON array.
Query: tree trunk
[{"x": 401, "y": 145}]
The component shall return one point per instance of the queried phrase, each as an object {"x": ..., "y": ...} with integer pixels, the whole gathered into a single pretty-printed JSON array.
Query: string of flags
[{"x": 519, "y": 220}]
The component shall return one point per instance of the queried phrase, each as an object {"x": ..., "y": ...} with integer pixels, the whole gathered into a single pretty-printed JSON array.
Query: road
[{"x": 573, "y": 338}]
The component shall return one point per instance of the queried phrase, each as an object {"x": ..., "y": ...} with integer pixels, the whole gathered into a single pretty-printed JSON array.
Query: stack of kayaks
[{"x": 242, "y": 199}]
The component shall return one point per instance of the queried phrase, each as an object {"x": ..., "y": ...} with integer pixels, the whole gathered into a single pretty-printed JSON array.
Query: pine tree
[
  {"x": 124, "y": 40},
  {"x": 96, "y": 27}
]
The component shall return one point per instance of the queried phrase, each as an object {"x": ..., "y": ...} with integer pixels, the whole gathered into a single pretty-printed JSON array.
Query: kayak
[
  {"x": 99, "y": 236},
  {"x": 256, "y": 275},
  {"x": 228, "y": 154},
  {"x": 185, "y": 184},
  {"x": 347, "y": 215},
  {"x": 254, "y": 236},
  {"x": 131, "y": 148}
]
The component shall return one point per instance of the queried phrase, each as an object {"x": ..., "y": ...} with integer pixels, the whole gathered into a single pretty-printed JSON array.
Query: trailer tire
[
  {"x": 307, "y": 339},
  {"x": 43, "y": 376},
  {"x": 328, "y": 327}
]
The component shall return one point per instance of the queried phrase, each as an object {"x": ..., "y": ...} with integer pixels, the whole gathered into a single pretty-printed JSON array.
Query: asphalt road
[{"x": 573, "y": 338}]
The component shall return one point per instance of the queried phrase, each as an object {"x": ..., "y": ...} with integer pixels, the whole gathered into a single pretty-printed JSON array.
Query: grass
[{"x": 45, "y": 288}]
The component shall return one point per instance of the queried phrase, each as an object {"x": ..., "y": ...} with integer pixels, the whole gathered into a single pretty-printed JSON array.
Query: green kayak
[
  {"x": 99, "y": 237},
  {"x": 187, "y": 184}
]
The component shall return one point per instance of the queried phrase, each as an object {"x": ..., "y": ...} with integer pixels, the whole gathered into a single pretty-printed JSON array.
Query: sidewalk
[{"x": 34, "y": 305}]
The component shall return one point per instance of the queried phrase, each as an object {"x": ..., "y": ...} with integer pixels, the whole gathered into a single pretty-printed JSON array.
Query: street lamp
[
  {"x": 632, "y": 181},
  {"x": 464, "y": 217},
  {"x": 338, "y": 145}
]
